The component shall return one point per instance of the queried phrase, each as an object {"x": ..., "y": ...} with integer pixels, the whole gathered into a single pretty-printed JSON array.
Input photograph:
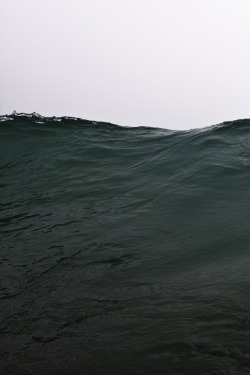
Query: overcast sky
[{"x": 176, "y": 64}]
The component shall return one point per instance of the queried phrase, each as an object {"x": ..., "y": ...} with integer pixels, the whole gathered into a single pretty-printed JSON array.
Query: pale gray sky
[{"x": 177, "y": 64}]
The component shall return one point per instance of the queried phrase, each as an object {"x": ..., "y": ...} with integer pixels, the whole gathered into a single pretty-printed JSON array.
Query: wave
[{"x": 124, "y": 249}]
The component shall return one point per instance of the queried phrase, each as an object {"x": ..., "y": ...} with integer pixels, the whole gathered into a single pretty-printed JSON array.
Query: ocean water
[{"x": 123, "y": 250}]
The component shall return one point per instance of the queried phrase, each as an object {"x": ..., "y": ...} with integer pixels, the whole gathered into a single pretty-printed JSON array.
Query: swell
[{"x": 124, "y": 248}]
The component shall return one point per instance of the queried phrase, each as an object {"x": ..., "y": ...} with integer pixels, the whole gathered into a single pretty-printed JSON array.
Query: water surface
[{"x": 123, "y": 250}]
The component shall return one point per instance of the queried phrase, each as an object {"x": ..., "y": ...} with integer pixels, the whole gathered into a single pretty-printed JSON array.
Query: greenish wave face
[{"x": 124, "y": 250}]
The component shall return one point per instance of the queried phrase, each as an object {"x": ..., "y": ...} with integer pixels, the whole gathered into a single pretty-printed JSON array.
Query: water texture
[{"x": 123, "y": 250}]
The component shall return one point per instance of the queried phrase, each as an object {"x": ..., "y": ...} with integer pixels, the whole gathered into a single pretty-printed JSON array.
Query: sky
[{"x": 176, "y": 64}]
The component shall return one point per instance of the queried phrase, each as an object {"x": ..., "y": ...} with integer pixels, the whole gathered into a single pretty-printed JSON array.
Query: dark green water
[{"x": 123, "y": 250}]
